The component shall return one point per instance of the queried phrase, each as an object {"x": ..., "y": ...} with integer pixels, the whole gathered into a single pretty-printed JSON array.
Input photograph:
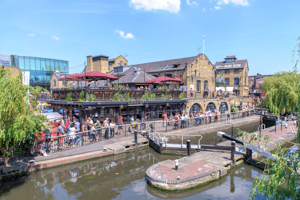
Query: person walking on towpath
[{"x": 285, "y": 123}]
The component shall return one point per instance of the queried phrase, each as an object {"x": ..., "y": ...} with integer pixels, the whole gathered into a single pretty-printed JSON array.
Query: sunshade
[{"x": 163, "y": 79}]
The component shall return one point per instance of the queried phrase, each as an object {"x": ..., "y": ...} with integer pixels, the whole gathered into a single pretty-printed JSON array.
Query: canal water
[{"x": 121, "y": 177}]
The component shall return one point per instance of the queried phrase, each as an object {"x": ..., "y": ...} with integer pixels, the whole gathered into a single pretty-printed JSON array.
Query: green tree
[
  {"x": 234, "y": 108},
  {"x": 281, "y": 176},
  {"x": 17, "y": 120}
]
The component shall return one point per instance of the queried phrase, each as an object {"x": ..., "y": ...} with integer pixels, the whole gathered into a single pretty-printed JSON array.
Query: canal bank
[{"x": 206, "y": 166}]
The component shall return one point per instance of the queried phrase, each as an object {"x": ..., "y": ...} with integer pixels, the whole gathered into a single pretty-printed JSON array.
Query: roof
[
  {"x": 141, "y": 77},
  {"x": 111, "y": 59},
  {"x": 231, "y": 56},
  {"x": 161, "y": 66},
  {"x": 101, "y": 56},
  {"x": 237, "y": 64},
  {"x": 60, "y": 75}
]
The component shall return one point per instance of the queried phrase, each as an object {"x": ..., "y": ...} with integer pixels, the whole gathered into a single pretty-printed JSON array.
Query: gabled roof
[
  {"x": 161, "y": 66},
  {"x": 237, "y": 64},
  {"x": 141, "y": 77}
]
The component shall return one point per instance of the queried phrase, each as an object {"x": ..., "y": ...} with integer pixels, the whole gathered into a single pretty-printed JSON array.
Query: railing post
[
  {"x": 188, "y": 146},
  {"x": 161, "y": 147},
  {"x": 135, "y": 137},
  {"x": 232, "y": 152},
  {"x": 248, "y": 154}
]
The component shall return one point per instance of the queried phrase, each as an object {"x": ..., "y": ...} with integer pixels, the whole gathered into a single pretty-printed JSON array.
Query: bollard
[
  {"x": 248, "y": 154},
  {"x": 104, "y": 150},
  {"x": 176, "y": 164},
  {"x": 161, "y": 147},
  {"x": 135, "y": 136},
  {"x": 188, "y": 146},
  {"x": 232, "y": 152},
  {"x": 178, "y": 178}
]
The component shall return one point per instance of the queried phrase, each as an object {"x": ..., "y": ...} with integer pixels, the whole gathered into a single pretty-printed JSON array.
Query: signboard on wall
[{"x": 5, "y": 60}]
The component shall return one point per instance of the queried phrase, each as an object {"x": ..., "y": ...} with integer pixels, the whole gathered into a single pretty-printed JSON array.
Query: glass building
[{"x": 41, "y": 69}]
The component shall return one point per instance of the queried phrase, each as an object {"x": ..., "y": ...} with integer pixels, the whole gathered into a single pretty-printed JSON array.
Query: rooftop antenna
[
  {"x": 203, "y": 44},
  {"x": 125, "y": 55}
]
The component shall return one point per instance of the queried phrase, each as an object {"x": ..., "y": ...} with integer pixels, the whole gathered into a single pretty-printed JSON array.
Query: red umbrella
[
  {"x": 163, "y": 79},
  {"x": 95, "y": 75},
  {"x": 72, "y": 77}
]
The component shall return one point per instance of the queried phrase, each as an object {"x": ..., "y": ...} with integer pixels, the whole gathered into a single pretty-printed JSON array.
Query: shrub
[
  {"x": 145, "y": 96},
  {"x": 181, "y": 95},
  {"x": 234, "y": 107},
  {"x": 81, "y": 96},
  {"x": 162, "y": 97},
  {"x": 170, "y": 96},
  {"x": 69, "y": 97},
  {"x": 116, "y": 96},
  {"x": 92, "y": 97},
  {"x": 152, "y": 96}
]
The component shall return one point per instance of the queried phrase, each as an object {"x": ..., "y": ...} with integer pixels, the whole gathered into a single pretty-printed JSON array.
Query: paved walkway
[{"x": 206, "y": 165}]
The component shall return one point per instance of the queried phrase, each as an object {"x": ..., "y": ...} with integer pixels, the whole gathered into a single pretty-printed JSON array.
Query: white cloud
[
  {"x": 172, "y": 6},
  {"x": 217, "y": 7},
  {"x": 122, "y": 34},
  {"x": 236, "y": 2},
  {"x": 31, "y": 34},
  {"x": 191, "y": 3},
  {"x": 54, "y": 37}
]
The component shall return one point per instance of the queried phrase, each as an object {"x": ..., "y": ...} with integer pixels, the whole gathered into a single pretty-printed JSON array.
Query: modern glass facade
[{"x": 41, "y": 69}]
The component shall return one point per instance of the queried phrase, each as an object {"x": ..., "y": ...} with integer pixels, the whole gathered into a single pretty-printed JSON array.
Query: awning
[{"x": 52, "y": 116}]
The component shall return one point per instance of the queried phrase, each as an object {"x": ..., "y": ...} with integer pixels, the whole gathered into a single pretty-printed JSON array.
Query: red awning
[
  {"x": 95, "y": 76},
  {"x": 163, "y": 79}
]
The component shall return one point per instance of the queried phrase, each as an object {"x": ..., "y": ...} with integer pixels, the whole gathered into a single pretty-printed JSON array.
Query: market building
[{"x": 232, "y": 75}]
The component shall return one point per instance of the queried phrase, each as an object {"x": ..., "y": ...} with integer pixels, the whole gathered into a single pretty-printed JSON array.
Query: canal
[{"x": 122, "y": 177}]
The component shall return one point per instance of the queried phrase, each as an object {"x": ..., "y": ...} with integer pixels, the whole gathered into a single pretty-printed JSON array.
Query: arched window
[
  {"x": 223, "y": 107},
  {"x": 54, "y": 82},
  {"x": 196, "y": 107},
  {"x": 120, "y": 63},
  {"x": 211, "y": 106}
]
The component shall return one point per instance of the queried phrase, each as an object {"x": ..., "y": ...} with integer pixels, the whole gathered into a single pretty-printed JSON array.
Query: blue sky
[{"x": 262, "y": 31}]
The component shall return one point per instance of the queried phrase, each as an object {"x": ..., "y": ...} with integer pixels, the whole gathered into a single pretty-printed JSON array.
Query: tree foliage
[
  {"x": 282, "y": 92},
  {"x": 181, "y": 95},
  {"x": 145, "y": 97},
  {"x": 17, "y": 120},
  {"x": 152, "y": 96},
  {"x": 234, "y": 108},
  {"x": 162, "y": 97}
]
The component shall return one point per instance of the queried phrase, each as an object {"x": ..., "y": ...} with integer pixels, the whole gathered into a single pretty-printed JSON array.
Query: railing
[{"x": 107, "y": 94}]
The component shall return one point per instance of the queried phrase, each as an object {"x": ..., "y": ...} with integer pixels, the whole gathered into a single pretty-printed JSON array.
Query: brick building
[
  {"x": 196, "y": 72},
  {"x": 103, "y": 64},
  {"x": 232, "y": 75}
]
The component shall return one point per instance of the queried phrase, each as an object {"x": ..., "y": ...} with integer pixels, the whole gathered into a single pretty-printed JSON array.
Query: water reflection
[{"x": 120, "y": 177}]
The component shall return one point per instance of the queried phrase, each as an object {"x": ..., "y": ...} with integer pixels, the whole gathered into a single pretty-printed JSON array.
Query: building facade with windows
[
  {"x": 103, "y": 64},
  {"x": 232, "y": 75},
  {"x": 41, "y": 69}
]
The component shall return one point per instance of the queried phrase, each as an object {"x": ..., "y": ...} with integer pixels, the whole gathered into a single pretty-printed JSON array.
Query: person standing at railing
[
  {"x": 112, "y": 128},
  {"x": 176, "y": 122},
  {"x": 98, "y": 126},
  {"x": 77, "y": 124},
  {"x": 72, "y": 134},
  {"x": 106, "y": 127},
  {"x": 84, "y": 129},
  {"x": 144, "y": 121},
  {"x": 171, "y": 119},
  {"x": 120, "y": 125},
  {"x": 165, "y": 118},
  {"x": 60, "y": 132}
]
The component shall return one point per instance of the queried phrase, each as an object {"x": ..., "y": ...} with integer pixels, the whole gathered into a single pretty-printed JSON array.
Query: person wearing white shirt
[
  {"x": 72, "y": 134},
  {"x": 112, "y": 129}
]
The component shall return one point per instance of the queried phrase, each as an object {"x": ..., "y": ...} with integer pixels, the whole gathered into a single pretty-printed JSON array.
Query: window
[
  {"x": 236, "y": 71},
  {"x": 120, "y": 63},
  {"x": 219, "y": 72},
  {"x": 205, "y": 85},
  {"x": 227, "y": 81},
  {"x": 245, "y": 78},
  {"x": 198, "y": 86},
  {"x": 227, "y": 71},
  {"x": 236, "y": 81},
  {"x": 54, "y": 82},
  {"x": 195, "y": 72}
]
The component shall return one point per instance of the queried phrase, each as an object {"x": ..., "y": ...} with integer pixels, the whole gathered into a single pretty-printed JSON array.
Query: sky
[{"x": 264, "y": 32}]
